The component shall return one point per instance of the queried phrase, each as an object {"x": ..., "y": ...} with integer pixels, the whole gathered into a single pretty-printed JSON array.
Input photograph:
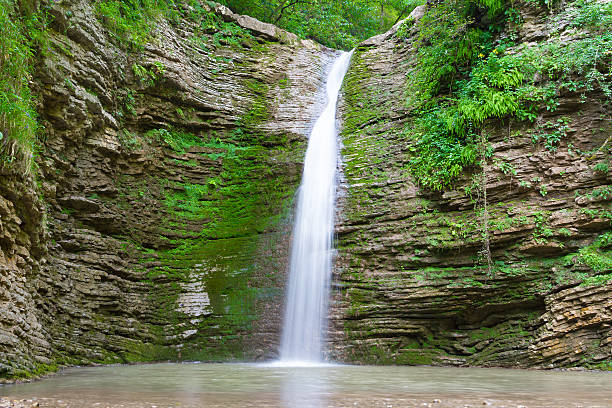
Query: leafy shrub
[
  {"x": 598, "y": 255},
  {"x": 210, "y": 23},
  {"x": 464, "y": 77},
  {"x": 22, "y": 31},
  {"x": 439, "y": 156},
  {"x": 334, "y": 23},
  {"x": 179, "y": 141},
  {"x": 150, "y": 75},
  {"x": 132, "y": 21}
]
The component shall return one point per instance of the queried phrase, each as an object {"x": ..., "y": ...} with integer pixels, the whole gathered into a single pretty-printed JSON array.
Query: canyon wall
[
  {"x": 412, "y": 284},
  {"x": 157, "y": 223}
]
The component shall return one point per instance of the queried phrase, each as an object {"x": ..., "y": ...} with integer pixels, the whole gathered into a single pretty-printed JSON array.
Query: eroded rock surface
[
  {"x": 158, "y": 226},
  {"x": 411, "y": 283},
  {"x": 158, "y": 223}
]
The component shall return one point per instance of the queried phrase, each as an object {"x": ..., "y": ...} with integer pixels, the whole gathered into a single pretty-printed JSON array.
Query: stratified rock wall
[
  {"x": 159, "y": 224},
  {"x": 411, "y": 283},
  {"x": 23, "y": 341}
]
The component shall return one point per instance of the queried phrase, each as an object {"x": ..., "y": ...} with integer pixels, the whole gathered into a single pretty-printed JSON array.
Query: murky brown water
[{"x": 250, "y": 385}]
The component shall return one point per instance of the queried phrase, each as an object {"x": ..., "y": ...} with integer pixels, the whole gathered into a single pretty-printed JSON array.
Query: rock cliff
[
  {"x": 412, "y": 284},
  {"x": 156, "y": 226},
  {"x": 157, "y": 223}
]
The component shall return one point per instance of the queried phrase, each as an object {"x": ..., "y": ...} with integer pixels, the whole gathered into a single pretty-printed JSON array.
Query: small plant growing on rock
[{"x": 149, "y": 76}]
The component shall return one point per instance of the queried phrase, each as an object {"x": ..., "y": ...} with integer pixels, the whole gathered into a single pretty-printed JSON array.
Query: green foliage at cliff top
[
  {"x": 470, "y": 70},
  {"x": 334, "y": 23},
  {"x": 132, "y": 20}
]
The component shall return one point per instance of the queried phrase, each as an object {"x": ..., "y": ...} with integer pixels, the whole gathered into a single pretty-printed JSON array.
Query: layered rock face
[
  {"x": 412, "y": 283},
  {"x": 158, "y": 224},
  {"x": 22, "y": 339}
]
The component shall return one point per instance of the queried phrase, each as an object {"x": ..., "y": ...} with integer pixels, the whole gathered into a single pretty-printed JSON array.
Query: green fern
[{"x": 463, "y": 78}]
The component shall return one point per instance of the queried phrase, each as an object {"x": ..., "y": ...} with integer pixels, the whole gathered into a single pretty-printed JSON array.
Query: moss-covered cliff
[
  {"x": 505, "y": 261},
  {"x": 156, "y": 225},
  {"x": 474, "y": 214}
]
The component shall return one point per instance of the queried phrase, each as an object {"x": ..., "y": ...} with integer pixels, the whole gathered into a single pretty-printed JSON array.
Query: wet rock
[
  {"x": 411, "y": 280},
  {"x": 80, "y": 204},
  {"x": 87, "y": 268}
]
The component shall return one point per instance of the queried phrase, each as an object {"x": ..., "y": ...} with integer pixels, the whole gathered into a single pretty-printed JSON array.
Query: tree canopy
[{"x": 334, "y": 23}]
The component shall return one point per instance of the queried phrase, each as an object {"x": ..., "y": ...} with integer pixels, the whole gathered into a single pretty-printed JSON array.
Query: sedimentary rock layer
[
  {"x": 157, "y": 227},
  {"x": 412, "y": 283}
]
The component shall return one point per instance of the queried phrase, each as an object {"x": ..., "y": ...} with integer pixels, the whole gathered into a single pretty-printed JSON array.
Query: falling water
[{"x": 307, "y": 298}]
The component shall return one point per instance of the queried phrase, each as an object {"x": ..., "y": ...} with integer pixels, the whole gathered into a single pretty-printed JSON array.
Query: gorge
[{"x": 155, "y": 221}]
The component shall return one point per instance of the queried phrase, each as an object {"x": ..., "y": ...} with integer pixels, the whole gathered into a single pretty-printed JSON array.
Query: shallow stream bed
[{"x": 253, "y": 385}]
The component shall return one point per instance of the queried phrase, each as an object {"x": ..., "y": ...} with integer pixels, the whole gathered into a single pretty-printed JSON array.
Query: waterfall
[{"x": 311, "y": 253}]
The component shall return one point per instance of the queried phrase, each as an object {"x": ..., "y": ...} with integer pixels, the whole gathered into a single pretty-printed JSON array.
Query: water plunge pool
[{"x": 255, "y": 385}]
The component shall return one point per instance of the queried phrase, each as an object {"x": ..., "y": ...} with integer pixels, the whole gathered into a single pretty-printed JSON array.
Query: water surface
[{"x": 251, "y": 385}]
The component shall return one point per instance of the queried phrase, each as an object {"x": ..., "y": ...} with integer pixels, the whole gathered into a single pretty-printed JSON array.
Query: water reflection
[
  {"x": 257, "y": 386},
  {"x": 190, "y": 389},
  {"x": 305, "y": 388}
]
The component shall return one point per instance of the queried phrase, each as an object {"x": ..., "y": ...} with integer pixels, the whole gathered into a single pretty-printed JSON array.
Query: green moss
[
  {"x": 213, "y": 229},
  {"x": 603, "y": 365},
  {"x": 178, "y": 140},
  {"x": 364, "y": 110},
  {"x": 598, "y": 256},
  {"x": 258, "y": 112},
  {"x": 415, "y": 357},
  {"x": 401, "y": 352},
  {"x": 368, "y": 138},
  {"x": 484, "y": 333},
  {"x": 36, "y": 370}
]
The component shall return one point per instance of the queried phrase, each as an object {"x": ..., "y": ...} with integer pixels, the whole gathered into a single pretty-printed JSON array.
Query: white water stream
[{"x": 311, "y": 253}]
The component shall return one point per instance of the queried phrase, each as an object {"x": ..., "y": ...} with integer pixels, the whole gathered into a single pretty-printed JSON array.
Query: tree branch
[{"x": 283, "y": 8}]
